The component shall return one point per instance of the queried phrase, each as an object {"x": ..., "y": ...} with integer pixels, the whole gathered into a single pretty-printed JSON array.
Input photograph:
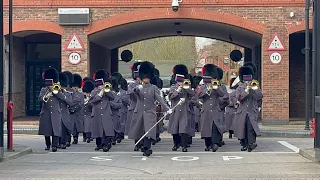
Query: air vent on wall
[{"x": 74, "y": 16}]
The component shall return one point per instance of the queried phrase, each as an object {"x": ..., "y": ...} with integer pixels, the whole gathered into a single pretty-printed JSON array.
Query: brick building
[{"x": 40, "y": 41}]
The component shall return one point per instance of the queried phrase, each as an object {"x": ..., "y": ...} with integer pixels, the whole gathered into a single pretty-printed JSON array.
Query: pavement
[
  {"x": 290, "y": 131},
  {"x": 274, "y": 158}
]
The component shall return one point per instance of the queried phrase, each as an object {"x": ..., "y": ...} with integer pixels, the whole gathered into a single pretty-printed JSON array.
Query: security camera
[{"x": 175, "y": 5}]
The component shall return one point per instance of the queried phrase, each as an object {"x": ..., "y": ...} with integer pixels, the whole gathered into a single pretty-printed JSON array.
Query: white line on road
[
  {"x": 290, "y": 146},
  {"x": 174, "y": 153}
]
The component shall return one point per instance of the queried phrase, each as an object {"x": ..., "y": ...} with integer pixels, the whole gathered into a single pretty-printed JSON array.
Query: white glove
[
  {"x": 179, "y": 89},
  {"x": 169, "y": 111},
  {"x": 259, "y": 109},
  {"x": 247, "y": 89},
  {"x": 140, "y": 86}
]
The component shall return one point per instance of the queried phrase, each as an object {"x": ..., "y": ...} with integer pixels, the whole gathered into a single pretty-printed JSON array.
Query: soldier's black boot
[
  {"x": 147, "y": 147},
  {"x": 230, "y": 134},
  {"x": 222, "y": 143},
  {"x": 252, "y": 147},
  {"x": 47, "y": 148},
  {"x": 215, "y": 147},
  {"x": 54, "y": 149},
  {"x": 75, "y": 141},
  {"x": 244, "y": 148},
  {"x": 63, "y": 146},
  {"x": 98, "y": 148},
  {"x": 88, "y": 140},
  {"x": 208, "y": 144},
  {"x": 68, "y": 144}
]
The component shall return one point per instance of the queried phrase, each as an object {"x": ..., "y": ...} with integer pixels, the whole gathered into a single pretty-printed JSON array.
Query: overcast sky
[{"x": 200, "y": 42}]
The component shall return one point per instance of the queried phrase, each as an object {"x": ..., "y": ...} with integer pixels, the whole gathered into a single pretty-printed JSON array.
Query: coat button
[
  {"x": 180, "y": 110},
  {"x": 210, "y": 110},
  {"x": 51, "y": 100},
  {"x": 51, "y": 112},
  {"x": 101, "y": 108},
  {"x": 144, "y": 105},
  {"x": 50, "y": 106},
  {"x": 145, "y": 92},
  {"x": 210, "y": 104},
  {"x": 210, "y": 98},
  {"x": 101, "y": 114},
  {"x": 101, "y": 102},
  {"x": 247, "y": 105},
  {"x": 85, "y": 115}
]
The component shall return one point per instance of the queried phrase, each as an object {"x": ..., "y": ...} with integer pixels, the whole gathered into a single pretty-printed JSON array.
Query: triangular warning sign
[
  {"x": 276, "y": 44},
  {"x": 74, "y": 43}
]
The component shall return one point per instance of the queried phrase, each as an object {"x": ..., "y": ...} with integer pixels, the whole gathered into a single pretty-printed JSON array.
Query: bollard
[
  {"x": 313, "y": 127},
  {"x": 9, "y": 126}
]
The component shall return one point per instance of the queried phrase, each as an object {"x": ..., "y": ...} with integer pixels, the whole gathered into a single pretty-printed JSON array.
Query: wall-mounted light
[{"x": 291, "y": 14}]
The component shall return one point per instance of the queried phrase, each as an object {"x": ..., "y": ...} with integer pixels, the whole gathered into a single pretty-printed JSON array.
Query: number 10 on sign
[
  {"x": 74, "y": 58},
  {"x": 275, "y": 58}
]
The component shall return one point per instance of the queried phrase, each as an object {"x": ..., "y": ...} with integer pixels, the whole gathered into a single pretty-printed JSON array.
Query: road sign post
[{"x": 1, "y": 83}]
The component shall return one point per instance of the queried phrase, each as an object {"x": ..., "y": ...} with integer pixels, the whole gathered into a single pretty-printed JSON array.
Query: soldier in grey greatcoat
[
  {"x": 248, "y": 97},
  {"x": 144, "y": 116},
  {"x": 50, "y": 115},
  {"x": 67, "y": 123},
  {"x": 133, "y": 100},
  {"x": 223, "y": 103},
  {"x": 197, "y": 107},
  {"x": 212, "y": 126},
  {"x": 231, "y": 109},
  {"x": 77, "y": 109},
  {"x": 180, "y": 119},
  {"x": 116, "y": 105},
  {"x": 101, "y": 97},
  {"x": 71, "y": 91},
  {"x": 88, "y": 86}
]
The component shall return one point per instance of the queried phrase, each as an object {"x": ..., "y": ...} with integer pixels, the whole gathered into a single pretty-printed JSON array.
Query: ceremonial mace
[{"x": 180, "y": 102}]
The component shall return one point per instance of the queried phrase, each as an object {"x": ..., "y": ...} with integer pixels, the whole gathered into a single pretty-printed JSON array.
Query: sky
[{"x": 201, "y": 42}]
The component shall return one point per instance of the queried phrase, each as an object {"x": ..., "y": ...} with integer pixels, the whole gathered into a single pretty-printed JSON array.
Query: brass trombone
[{"x": 254, "y": 84}]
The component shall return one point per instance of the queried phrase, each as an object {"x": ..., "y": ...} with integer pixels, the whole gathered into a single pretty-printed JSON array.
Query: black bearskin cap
[
  {"x": 157, "y": 82},
  {"x": 77, "y": 80},
  {"x": 117, "y": 75},
  {"x": 64, "y": 79},
  {"x": 254, "y": 68},
  {"x": 156, "y": 72},
  {"x": 102, "y": 74},
  {"x": 245, "y": 70},
  {"x": 210, "y": 70},
  {"x": 88, "y": 78},
  {"x": 197, "y": 80},
  {"x": 88, "y": 86},
  {"x": 134, "y": 67},
  {"x": 172, "y": 80},
  {"x": 180, "y": 69},
  {"x": 146, "y": 70},
  {"x": 114, "y": 83},
  {"x": 70, "y": 77},
  {"x": 220, "y": 73},
  {"x": 193, "y": 85},
  {"x": 124, "y": 84},
  {"x": 51, "y": 74}
]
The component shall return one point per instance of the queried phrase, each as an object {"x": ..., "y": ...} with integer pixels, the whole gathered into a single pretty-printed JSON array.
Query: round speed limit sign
[
  {"x": 275, "y": 58},
  {"x": 74, "y": 58}
]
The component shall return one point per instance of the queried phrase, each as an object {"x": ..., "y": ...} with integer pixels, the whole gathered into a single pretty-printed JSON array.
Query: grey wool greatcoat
[
  {"x": 195, "y": 114},
  {"x": 115, "y": 109},
  {"x": 78, "y": 116},
  {"x": 180, "y": 119},
  {"x": 211, "y": 111},
  {"x": 125, "y": 99},
  {"x": 65, "y": 103},
  {"x": 144, "y": 116},
  {"x": 230, "y": 113},
  {"x": 133, "y": 102},
  {"x": 249, "y": 102},
  {"x": 101, "y": 114},
  {"x": 223, "y": 101},
  {"x": 50, "y": 115},
  {"x": 87, "y": 112}
]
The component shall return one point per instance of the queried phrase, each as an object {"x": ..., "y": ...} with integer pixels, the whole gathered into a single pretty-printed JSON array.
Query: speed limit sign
[
  {"x": 74, "y": 58},
  {"x": 275, "y": 58}
]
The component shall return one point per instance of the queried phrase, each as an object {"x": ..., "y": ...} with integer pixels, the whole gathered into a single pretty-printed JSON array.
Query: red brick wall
[{"x": 276, "y": 19}]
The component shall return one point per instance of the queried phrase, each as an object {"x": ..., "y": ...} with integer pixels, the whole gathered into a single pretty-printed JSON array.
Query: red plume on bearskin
[
  {"x": 43, "y": 75},
  {"x": 82, "y": 83},
  {"x": 94, "y": 76},
  {"x": 131, "y": 67},
  {"x": 173, "y": 70},
  {"x": 203, "y": 70}
]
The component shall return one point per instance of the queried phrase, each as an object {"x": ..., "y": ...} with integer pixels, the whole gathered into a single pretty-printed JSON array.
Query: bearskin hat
[
  {"x": 146, "y": 70},
  {"x": 64, "y": 79},
  {"x": 172, "y": 80},
  {"x": 51, "y": 74},
  {"x": 254, "y": 68},
  {"x": 101, "y": 74},
  {"x": 70, "y": 77},
  {"x": 124, "y": 84},
  {"x": 114, "y": 83},
  {"x": 88, "y": 86},
  {"x": 118, "y": 76},
  {"x": 210, "y": 70},
  {"x": 135, "y": 67},
  {"x": 77, "y": 80},
  {"x": 180, "y": 69},
  {"x": 193, "y": 85},
  {"x": 220, "y": 73},
  {"x": 87, "y": 78},
  {"x": 197, "y": 80},
  {"x": 157, "y": 81},
  {"x": 245, "y": 70},
  {"x": 156, "y": 72}
]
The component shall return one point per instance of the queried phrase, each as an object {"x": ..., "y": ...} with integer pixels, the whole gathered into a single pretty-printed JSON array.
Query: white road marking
[
  {"x": 185, "y": 158},
  {"x": 144, "y": 158},
  {"x": 290, "y": 146},
  {"x": 228, "y": 158},
  {"x": 175, "y": 153}
]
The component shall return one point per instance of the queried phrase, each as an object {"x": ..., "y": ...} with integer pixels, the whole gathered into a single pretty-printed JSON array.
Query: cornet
[
  {"x": 106, "y": 87},
  {"x": 55, "y": 88},
  {"x": 254, "y": 84},
  {"x": 186, "y": 84},
  {"x": 214, "y": 84}
]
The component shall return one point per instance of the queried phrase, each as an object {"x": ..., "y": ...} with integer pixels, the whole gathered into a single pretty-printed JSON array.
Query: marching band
[{"x": 106, "y": 108}]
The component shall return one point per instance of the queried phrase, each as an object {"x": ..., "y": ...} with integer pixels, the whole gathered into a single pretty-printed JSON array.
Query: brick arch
[
  {"x": 297, "y": 27},
  {"x": 34, "y": 25},
  {"x": 183, "y": 13}
]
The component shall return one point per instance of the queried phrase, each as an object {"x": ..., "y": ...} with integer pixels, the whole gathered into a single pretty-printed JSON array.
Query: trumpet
[
  {"x": 214, "y": 84},
  {"x": 186, "y": 84},
  {"x": 254, "y": 84},
  {"x": 236, "y": 105},
  {"x": 55, "y": 88},
  {"x": 47, "y": 96},
  {"x": 106, "y": 87}
]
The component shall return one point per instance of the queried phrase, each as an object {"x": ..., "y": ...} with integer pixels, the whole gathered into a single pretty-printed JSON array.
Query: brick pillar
[
  {"x": 82, "y": 67},
  {"x": 275, "y": 80}
]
